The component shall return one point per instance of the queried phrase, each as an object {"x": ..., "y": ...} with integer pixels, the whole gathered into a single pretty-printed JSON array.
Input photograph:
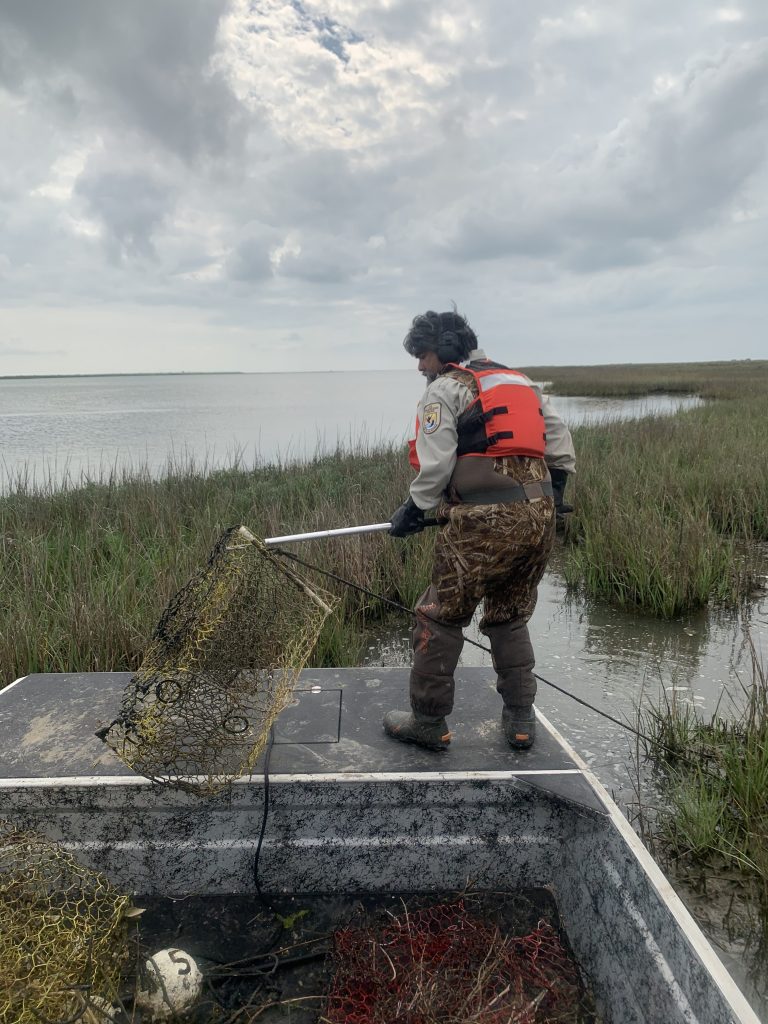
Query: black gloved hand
[
  {"x": 409, "y": 518},
  {"x": 559, "y": 480}
]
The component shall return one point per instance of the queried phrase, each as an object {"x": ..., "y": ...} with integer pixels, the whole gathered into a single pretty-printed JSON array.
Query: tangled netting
[
  {"x": 219, "y": 668},
  {"x": 63, "y": 932},
  {"x": 446, "y": 964}
]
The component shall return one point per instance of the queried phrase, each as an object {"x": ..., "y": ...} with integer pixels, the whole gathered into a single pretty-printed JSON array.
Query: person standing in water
[{"x": 493, "y": 457}]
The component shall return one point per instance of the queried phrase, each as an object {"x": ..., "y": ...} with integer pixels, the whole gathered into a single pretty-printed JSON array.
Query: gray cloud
[
  {"x": 331, "y": 35},
  {"x": 672, "y": 166},
  {"x": 310, "y": 165},
  {"x": 250, "y": 260},
  {"x": 131, "y": 206},
  {"x": 146, "y": 66},
  {"x": 321, "y": 261}
]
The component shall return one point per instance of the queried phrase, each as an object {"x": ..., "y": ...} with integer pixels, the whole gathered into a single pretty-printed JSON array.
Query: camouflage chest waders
[{"x": 490, "y": 553}]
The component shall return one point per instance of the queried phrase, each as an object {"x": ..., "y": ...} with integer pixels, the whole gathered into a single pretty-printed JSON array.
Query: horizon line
[{"x": 246, "y": 373}]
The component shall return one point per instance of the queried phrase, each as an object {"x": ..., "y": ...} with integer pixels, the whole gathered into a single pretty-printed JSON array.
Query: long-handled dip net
[
  {"x": 220, "y": 667},
  {"x": 63, "y": 932}
]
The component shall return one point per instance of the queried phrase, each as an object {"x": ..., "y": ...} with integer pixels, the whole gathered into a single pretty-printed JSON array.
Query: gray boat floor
[{"x": 333, "y": 727}]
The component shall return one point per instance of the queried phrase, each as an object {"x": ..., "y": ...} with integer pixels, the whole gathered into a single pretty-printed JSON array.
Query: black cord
[
  {"x": 265, "y": 814},
  {"x": 266, "y": 903},
  {"x": 246, "y": 968},
  {"x": 266, "y": 956},
  {"x": 409, "y": 611}
]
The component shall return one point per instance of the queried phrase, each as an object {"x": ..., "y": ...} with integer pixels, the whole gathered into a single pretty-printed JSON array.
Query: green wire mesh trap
[{"x": 220, "y": 666}]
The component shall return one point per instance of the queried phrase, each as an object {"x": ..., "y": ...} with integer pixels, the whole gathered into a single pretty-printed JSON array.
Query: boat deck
[
  {"x": 333, "y": 727},
  {"x": 346, "y": 810}
]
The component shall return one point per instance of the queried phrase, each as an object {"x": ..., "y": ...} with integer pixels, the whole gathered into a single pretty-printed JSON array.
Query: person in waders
[{"x": 493, "y": 456}]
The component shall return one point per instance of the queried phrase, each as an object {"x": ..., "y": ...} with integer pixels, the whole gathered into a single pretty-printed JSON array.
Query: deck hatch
[{"x": 312, "y": 717}]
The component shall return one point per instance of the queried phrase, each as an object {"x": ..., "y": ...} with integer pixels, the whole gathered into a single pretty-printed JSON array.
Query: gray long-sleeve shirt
[{"x": 444, "y": 400}]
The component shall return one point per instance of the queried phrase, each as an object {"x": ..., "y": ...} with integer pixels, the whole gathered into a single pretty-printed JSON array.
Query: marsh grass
[
  {"x": 88, "y": 568},
  {"x": 737, "y": 379},
  {"x": 672, "y": 512},
  {"x": 715, "y": 781}
]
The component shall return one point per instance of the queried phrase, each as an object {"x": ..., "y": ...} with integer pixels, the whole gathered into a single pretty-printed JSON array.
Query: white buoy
[{"x": 171, "y": 984}]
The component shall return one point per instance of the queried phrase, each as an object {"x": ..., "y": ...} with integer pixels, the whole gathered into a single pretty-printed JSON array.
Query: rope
[{"x": 482, "y": 647}]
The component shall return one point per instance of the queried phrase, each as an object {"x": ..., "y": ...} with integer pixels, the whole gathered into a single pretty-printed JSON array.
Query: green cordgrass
[
  {"x": 715, "y": 781},
  {"x": 671, "y": 511},
  {"x": 735, "y": 379},
  {"x": 88, "y": 570}
]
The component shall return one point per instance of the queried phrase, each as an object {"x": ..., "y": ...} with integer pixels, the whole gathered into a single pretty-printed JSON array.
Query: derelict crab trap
[
  {"x": 220, "y": 667},
  {"x": 63, "y": 932}
]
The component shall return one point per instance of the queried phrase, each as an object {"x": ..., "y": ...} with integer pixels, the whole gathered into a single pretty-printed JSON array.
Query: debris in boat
[
  {"x": 74, "y": 949},
  {"x": 485, "y": 957},
  {"x": 447, "y": 964},
  {"x": 220, "y": 666},
  {"x": 101, "y": 1011}
]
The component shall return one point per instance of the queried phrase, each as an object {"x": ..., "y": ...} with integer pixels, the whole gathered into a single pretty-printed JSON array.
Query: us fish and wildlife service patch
[{"x": 431, "y": 417}]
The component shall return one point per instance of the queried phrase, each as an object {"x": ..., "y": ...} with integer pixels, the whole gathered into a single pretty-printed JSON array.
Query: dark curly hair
[{"x": 447, "y": 334}]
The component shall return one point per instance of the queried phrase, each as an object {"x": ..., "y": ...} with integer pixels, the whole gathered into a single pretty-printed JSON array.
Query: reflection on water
[
  {"x": 577, "y": 409},
  {"x": 618, "y": 661}
]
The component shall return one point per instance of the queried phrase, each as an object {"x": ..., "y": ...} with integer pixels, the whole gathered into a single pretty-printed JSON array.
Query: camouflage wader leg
[
  {"x": 512, "y": 657},
  {"x": 496, "y": 552},
  {"x": 509, "y": 604},
  {"x": 436, "y": 651}
]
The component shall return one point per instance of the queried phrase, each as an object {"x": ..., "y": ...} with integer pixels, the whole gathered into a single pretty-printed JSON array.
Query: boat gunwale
[{"x": 698, "y": 941}]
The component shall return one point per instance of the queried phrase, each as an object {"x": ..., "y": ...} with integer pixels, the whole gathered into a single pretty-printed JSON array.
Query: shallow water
[{"x": 618, "y": 661}]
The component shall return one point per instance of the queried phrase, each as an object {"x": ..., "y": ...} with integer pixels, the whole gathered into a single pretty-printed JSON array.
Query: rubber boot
[
  {"x": 414, "y": 727},
  {"x": 519, "y": 725}
]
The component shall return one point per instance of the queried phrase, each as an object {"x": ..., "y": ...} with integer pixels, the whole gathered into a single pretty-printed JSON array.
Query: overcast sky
[{"x": 261, "y": 184}]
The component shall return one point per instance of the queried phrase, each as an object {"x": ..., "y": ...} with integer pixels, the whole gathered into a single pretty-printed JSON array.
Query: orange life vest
[
  {"x": 505, "y": 418},
  {"x": 413, "y": 458}
]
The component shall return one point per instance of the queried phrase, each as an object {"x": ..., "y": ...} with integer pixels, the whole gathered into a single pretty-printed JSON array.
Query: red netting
[{"x": 445, "y": 965}]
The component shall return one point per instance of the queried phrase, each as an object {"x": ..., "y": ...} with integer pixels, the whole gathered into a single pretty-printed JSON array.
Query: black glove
[
  {"x": 409, "y": 518},
  {"x": 559, "y": 480}
]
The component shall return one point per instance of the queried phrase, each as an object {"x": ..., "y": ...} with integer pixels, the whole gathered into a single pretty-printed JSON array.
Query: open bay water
[
  {"x": 64, "y": 429},
  {"x": 61, "y": 428}
]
